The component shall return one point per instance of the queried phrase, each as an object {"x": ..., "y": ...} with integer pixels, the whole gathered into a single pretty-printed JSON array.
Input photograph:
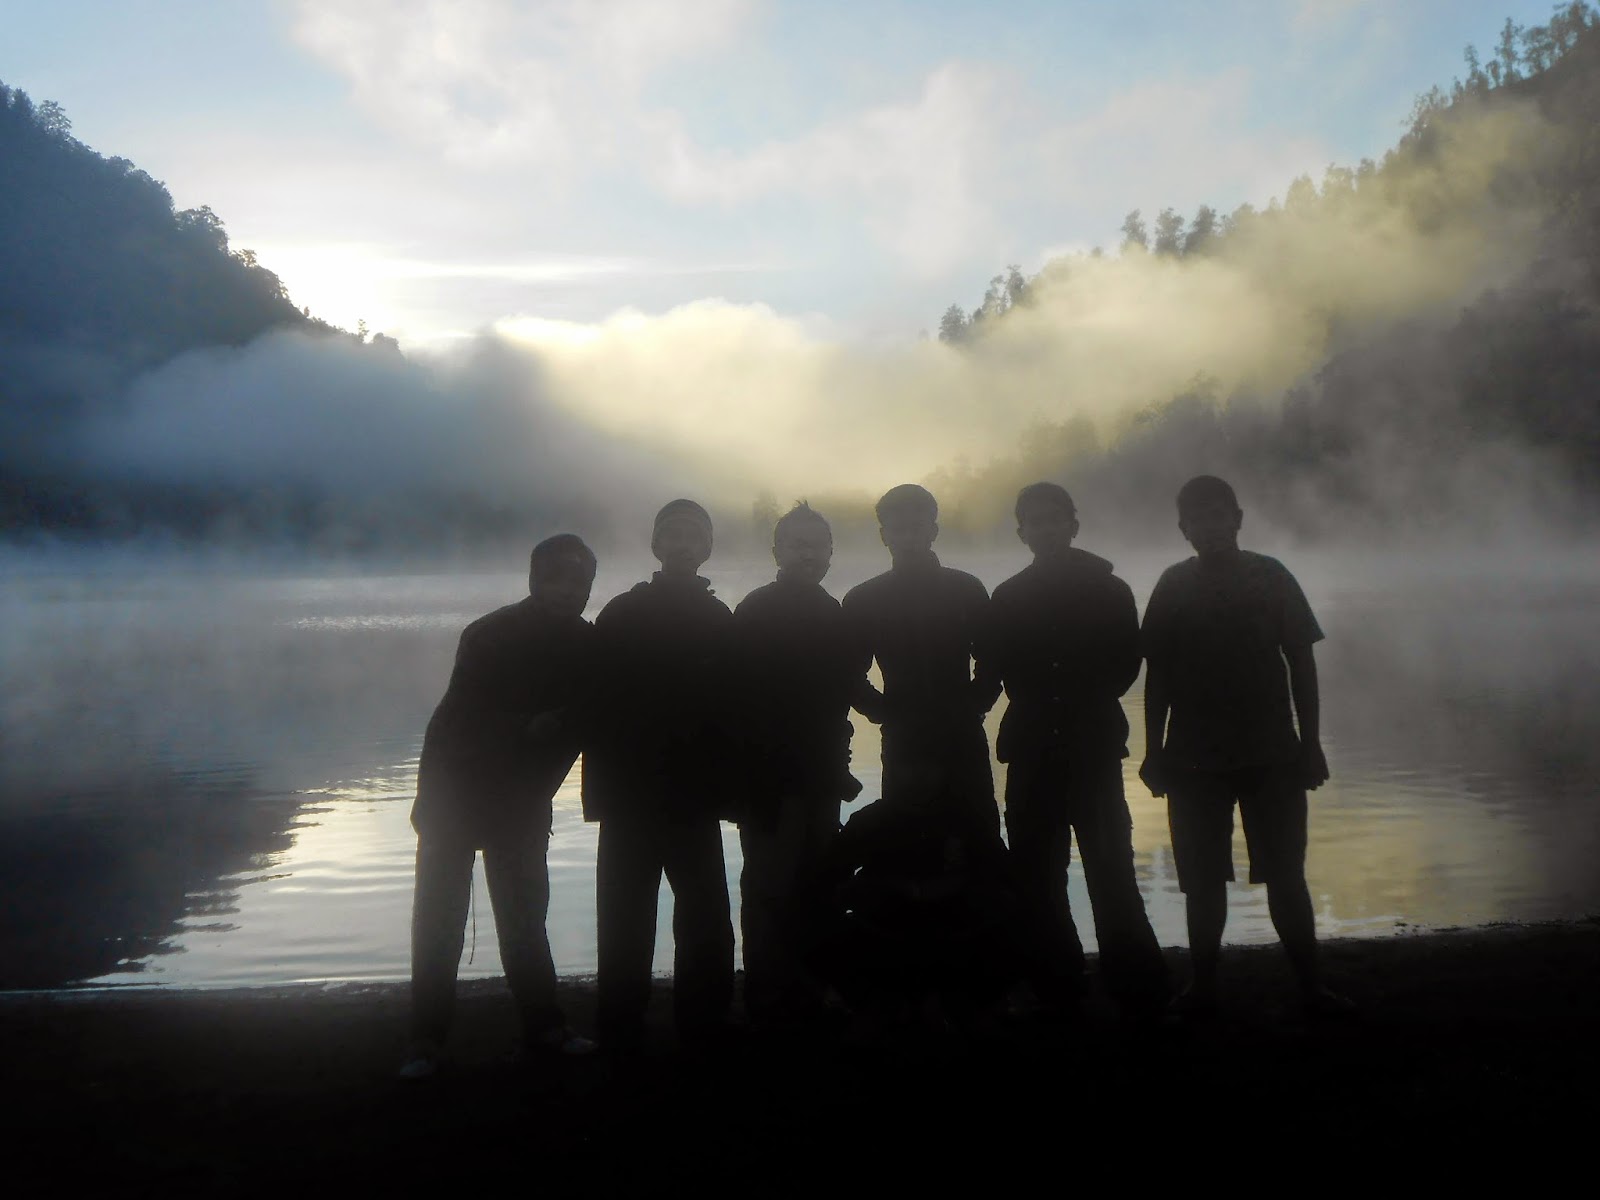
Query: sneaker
[
  {"x": 562, "y": 1040},
  {"x": 1325, "y": 1003},
  {"x": 421, "y": 1064},
  {"x": 1192, "y": 1004}
]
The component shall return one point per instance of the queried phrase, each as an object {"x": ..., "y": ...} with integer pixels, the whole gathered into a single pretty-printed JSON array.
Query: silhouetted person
[
  {"x": 920, "y": 621},
  {"x": 1218, "y": 633},
  {"x": 798, "y": 675},
  {"x": 654, "y": 777},
  {"x": 925, "y": 914},
  {"x": 1063, "y": 638},
  {"x": 496, "y": 749}
]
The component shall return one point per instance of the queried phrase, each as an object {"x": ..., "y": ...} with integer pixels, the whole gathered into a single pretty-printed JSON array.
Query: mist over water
[
  {"x": 215, "y": 701},
  {"x": 298, "y": 438},
  {"x": 207, "y": 775}
]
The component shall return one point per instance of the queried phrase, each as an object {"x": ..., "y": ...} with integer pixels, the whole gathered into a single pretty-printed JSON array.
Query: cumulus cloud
[
  {"x": 939, "y": 169},
  {"x": 911, "y": 169},
  {"x": 564, "y": 87},
  {"x": 494, "y": 79},
  {"x": 1184, "y": 140}
]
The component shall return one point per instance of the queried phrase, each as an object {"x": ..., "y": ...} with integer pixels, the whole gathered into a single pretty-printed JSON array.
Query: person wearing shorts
[{"x": 1232, "y": 719}]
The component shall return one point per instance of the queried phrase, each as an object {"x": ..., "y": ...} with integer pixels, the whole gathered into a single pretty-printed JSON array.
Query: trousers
[
  {"x": 1049, "y": 798},
  {"x": 635, "y": 851},
  {"x": 952, "y": 757},
  {"x": 780, "y": 913},
  {"x": 516, "y": 868}
]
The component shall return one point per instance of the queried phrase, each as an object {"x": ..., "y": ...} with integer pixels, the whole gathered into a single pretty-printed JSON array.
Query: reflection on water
[
  {"x": 206, "y": 780},
  {"x": 95, "y": 884}
]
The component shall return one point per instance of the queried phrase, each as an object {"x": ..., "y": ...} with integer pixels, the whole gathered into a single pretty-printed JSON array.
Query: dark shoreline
[{"x": 1486, "y": 1040}]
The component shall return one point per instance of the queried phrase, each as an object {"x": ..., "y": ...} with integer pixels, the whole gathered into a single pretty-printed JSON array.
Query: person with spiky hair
[
  {"x": 920, "y": 621},
  {"x": 797, "y": 679},
  {"x": 655, "y": 777},
  {"x": 1064, "y": 642},
  {"x": 496, "y": 749},
  {"x": 1232, "y": 719}
]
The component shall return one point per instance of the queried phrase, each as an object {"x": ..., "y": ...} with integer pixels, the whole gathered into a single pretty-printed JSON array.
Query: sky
[{"x": 434, "y": 167}]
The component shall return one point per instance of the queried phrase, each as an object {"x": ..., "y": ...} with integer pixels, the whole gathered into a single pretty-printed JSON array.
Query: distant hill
[
  {"x": 1433, "y": 418},
  {"x": 1407, "y": 343},
  {"x": 100, "y": 279}
]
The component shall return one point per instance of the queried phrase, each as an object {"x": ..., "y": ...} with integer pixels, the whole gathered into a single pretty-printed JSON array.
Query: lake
[{"x": 206, "y": 774}]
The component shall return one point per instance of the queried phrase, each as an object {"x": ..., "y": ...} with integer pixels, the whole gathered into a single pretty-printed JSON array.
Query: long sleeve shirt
[
  {"x": 1063, "y": 639},
  {"x": 796, "y": 675},
  {"x": 921, "y": 623},
  {"x": 480, "y": 772},
  {"x": 657, "y": 736}
]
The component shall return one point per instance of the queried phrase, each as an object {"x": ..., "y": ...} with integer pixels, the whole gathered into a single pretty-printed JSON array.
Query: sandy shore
[{"x": 1471, "y": 1046}]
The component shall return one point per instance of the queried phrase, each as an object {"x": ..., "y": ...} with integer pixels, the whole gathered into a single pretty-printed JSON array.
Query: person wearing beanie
[
  {"x": 796, "y": 678},
  {"x": 654, "y": 779}
]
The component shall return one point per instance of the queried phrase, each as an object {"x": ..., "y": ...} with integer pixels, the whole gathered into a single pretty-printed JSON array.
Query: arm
[
  {"x": 1122, "y": 653},
  {"x": 1157, "y": 706},
  {"x": 864, "y": 698},
  {"x": 868, "y": 700},
  {"x": 470, "y": 720},
  {"x": 988, "y": 675},
  {"x": 1308, "y": 710},
  {"x": 1153, "y": 642}
]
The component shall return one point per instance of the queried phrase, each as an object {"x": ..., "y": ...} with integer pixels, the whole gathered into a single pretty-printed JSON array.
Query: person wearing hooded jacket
[
  {"x": 1062, "y": 637},
  {"x": 798, "y": 674},
  {"x": 654, "y": 777}
]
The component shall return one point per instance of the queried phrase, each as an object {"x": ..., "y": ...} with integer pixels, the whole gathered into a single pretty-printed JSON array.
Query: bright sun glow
[
  {"x": 341, "y": 283},
  {"x": 543, "y": 332}
]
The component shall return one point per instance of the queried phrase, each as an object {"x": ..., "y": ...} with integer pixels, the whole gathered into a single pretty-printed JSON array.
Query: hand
[
  {"x": 1313, "y": 766},
  {"x": 1153, "y": 771},
  {"x": 978, "y": 700},
  {"x": 544, "y": 727}
]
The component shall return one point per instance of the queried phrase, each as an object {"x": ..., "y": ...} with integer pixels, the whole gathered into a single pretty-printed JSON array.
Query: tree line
[
  {"x": 1500, "y": 398},
  {"x": 103, "y": 278}
]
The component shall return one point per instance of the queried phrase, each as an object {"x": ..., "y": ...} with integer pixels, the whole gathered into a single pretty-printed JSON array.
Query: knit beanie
[{"x": 683, "y": 508}]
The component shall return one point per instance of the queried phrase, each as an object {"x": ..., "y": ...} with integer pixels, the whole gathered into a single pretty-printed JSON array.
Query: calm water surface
[{"x": 205, "y": 778}]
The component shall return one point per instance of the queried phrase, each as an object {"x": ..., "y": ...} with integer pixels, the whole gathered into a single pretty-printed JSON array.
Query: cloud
[
  {"x": 912, "y": 169},
  {"x": 727, "y": 400},
  {"x": 939, "y": 172},
  {"x": 1182, "y": 142},
  {"x": 565, "y": 88},
  {"x": 1315, "y": 16},
  {"x": 306, "y": 433},
  {"x": 487, "y": 80}
]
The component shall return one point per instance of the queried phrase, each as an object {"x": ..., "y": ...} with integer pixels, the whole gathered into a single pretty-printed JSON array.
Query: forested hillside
[
  {"x": 100, "y": 279},
  {"x": 1406, "y": 343},
  {"x": 1434, "y": 416}
]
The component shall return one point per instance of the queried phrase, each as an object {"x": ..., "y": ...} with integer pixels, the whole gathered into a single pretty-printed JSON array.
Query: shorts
[{"x": 1272, "y": 804}]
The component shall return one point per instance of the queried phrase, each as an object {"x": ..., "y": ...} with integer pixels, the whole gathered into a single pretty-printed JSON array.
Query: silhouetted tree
[
  {"x": 1507, "y": 52},
  {"x": 1301, "y": 197},
  {"x": 53, "y": 119},
  {"x": 1169, "y": 232},
  {"x": 1134, "y": 232},
  {"x": 953, "y": 325},
  {"x": 100, "y": 279},
  {"x": 1201, "y": 230},
  {"x": 1396, "y": 411}
]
